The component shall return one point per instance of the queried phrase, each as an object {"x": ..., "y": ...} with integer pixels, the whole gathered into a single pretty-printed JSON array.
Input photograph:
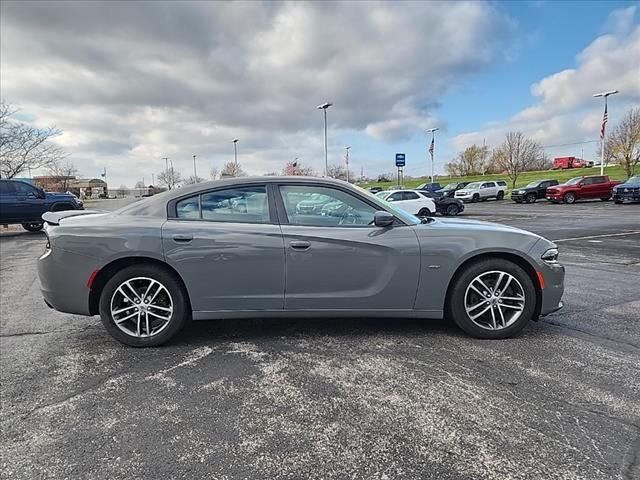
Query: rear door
[
  {"x": 601, "y": 187},
  {"x": 342, "y": 263},
  {"x": 30, "y": 207},
  {"x": 488, "y": 189},
  {"x": 227, "y": 246},
  {"x": 8, "y": 202}
]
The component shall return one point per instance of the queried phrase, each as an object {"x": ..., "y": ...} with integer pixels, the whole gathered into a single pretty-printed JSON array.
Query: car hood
[
  {"x": 464, "y": 190},
  {"x": 60, "y": 196}
]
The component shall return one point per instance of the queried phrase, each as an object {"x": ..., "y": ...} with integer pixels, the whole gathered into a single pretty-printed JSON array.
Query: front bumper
[
  {"x": 631, "y": 196},
  {"x": 555, "y": 197},
  {"x": 517, "y": 197},
  {"x": 553, "y": 288}
]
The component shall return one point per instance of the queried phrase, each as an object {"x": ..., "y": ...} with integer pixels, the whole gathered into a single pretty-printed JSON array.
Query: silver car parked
[{"x": 240, "y": 248}]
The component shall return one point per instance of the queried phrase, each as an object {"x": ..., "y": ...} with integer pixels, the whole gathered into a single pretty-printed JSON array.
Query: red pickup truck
[{"x": 595, "y": 186}]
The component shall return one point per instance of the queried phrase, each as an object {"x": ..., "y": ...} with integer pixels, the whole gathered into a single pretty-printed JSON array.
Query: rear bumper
[{"x": 63, "y": 280}]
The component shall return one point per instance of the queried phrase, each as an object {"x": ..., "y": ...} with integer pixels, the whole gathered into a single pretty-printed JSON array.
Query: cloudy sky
[{"x": 130, "y": 83}]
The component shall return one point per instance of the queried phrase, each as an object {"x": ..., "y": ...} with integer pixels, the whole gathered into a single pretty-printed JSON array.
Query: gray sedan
[{"x": 241, "y": 248}]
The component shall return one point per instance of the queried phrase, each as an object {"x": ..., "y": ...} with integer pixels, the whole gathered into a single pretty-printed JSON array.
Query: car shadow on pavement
[{"x": 256, "y": 329}]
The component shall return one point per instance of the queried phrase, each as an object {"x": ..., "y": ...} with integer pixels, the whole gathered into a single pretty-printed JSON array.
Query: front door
[
  {"x": 338, "y": 260},
  {"x": 228, "y": 248}
]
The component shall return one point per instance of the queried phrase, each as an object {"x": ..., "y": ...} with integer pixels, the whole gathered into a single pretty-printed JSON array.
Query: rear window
[{"x": 502, "y": 183}]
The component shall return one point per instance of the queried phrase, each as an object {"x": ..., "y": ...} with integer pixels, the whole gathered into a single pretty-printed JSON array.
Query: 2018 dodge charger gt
[{"x": 240, "y": 248}]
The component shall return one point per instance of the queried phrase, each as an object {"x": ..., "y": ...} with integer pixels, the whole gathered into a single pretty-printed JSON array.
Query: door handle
[
  {"x": 182, "y": 237},
  {"x": 300, "y": 245}
]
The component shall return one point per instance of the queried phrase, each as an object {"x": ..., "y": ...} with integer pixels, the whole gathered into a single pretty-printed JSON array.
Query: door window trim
[
  {"x": 172, "y": 213},
  {"x": 284, "y": 218}
]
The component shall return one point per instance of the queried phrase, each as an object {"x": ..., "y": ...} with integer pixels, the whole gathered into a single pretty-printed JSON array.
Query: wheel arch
[
  {"x": 60, "y": 206},
  {"x": 512, "y": 257},
  {"x": 110, "y": 269}
]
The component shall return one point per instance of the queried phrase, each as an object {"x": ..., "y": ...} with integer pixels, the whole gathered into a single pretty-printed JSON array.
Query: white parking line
[{"x": 598, "y": 236}]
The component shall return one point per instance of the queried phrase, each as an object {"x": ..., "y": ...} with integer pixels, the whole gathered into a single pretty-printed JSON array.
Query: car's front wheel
[
  {"x": 452, "y": 210},
  {"x": 530, "y": 198},
  {"x": 569, "y": 198},
  {"x": 492, "y": 298},
  {"x": 143, "y": 306},
  {"x": 32, "y": 227}
]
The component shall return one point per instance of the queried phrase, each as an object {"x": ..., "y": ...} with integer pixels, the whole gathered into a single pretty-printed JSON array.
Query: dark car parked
[
  {"x": 23, "y": 203},
  {"x": 430, "y": 187},
  {"x": 629, "y": 190},
  {"x": 446, "y": 206},
  {"x": 533, "y": 191},
  {"x": 449, "y": 190}
]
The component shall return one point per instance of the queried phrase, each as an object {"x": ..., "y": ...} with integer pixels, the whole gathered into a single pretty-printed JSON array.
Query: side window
[
  {"x": 240, "y": 205},
  {"x": 394, "y": 197},
  {"x": 188, "y": 208},
  {"x": 410, "y": 196},
  {"x": 23, "y": 189},
  {"x": 328, "y": 207},
  {"x": 599, "y": 180},
  {"x": 6, "y": 188},
  {"x": 587, "y": 181},
  {"x": 502, "y": 183}
]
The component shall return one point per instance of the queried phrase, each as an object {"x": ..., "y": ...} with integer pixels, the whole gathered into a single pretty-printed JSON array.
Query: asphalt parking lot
[{"x": 334, "y": 399}]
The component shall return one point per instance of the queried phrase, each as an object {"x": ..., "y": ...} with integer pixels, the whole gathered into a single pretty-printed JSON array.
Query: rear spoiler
[{"x": 53, "y": 218}]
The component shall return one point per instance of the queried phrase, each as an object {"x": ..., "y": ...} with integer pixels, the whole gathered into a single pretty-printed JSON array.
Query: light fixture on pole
[
  {"x": 195, "y": 173},
  {"x": 235, "y": 156},
  {"x": 605, "y": 118},
  {"x": 432, "y": 147},
  {"x": 325, "y": 106},
  {"x": 347, "y": 161}
]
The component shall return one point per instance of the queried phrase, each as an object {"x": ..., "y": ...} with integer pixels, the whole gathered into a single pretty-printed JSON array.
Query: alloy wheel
[
  {"x": 141, "y": 307},
  {"x": 494, "y": 300}
]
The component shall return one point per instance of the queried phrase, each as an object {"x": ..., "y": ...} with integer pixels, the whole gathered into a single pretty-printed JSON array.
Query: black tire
[
  {"x": 456, "y": 300},
  {"x": 500, "y": 195},
  {"x": 475, "y": 198},
  {"x": 452, "y": 210},
  {"x": 569, "y": 198},
  {"x": 33, "y": 227},
  {"x": 518, "y": 201},
  {"x": 424, "y": 212},
  {"x": 530, "y": 198},
  {"x": 618, "y": 202},
  {"x": 181, "y": 308},
  {"x": 605, "y": 199}
]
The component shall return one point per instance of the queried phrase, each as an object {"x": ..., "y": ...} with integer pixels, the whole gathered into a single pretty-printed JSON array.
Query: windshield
[
  {"x": 633, "y": 181},
  {"x": 450, "y": 186},
  {"x": 473, "y": 185},
  {"x": 533, "y": 184},
  {"x": 573, "y": 181},
  {"x": 406, "y": 217},
  {"x": 382, "y": 194}
]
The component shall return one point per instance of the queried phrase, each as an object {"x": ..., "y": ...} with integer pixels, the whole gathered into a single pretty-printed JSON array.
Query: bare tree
[
  {"x": 214, "y": 173},
  {"x": 191, "y": 180},
  {"x": 516, "y": 155},
  {"x": 623, "y": 143},
  {"x": 232, "y": 169},
  {"x": 170, "y": 178},
  {"x": 339, "y": 172},
  {"x": 296, "y": 168},
  {"x": 64, "y": 170},
  {"x": 453, "y": 168},
  {"x": 23, "y": 147}
]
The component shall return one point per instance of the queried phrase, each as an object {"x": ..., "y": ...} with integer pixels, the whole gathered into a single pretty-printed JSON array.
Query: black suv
[
  {"x": 23, "y": 203},
  {"x": 532, "y": 192},
  {"x": 449, "y": 189}
]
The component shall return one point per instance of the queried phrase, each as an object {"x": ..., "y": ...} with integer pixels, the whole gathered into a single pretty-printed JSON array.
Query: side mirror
[
  {"x": 383, "y": 219},
  {"x": 580, "y": 185},
  {"x": 42, "y": 194},
  {"x": 32, "y": 195}
]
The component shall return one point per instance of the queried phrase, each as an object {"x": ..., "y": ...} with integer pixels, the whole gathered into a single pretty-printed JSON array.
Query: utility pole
[
  {"x": 605, "y": 118},
  {"x": 235, "y": 156},
  {"x": 195, "y": 173},
  {"x": 152, "y": 180},
  {"x": 347, "y": 161},
  {"x": 325, "y": 106}
]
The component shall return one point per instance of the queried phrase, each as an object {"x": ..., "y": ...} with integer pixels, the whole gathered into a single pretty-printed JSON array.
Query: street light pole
[
  {"x": 605, "y": 118},
  {"x": 195, "y": 173},
  {"x": 347, "y": 160},
  {"x": 235, "y": 157},
  {"x": 325, "y": 106},
  {"x": 432, "y": 148}
]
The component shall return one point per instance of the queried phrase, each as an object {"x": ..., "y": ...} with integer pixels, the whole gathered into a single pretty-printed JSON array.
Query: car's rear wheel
[
  {"x": 493, "y": 298},
  {"x": 500, "y": 196},
  {"x": 424, "y": 212},
  {"x": 475, "y": 198},
  {"x": 606, "y": 199},
  {"x": 32, "y": 227},
  {"x": 143, "y": 306},
  {"x": 617, "y": 202},
  {"x": 452, "y": 210},
  {"x": 530, "y": 198},
  {"x": 569, "y": 198}
]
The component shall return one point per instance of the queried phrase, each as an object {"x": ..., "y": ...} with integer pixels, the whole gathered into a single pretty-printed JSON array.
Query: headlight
[{"x": 550, "y": 256}]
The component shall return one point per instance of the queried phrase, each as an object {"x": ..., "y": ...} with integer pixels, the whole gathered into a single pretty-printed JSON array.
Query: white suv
[
  {"x": 482, "y": 190},
  {"x": 410, "y": 201}
]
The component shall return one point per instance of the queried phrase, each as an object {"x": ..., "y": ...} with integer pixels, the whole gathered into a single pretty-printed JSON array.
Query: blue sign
[{"x": 400, "y": 160}]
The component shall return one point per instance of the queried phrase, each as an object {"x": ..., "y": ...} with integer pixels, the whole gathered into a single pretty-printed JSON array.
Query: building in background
[{"x": 80, "y": 187}]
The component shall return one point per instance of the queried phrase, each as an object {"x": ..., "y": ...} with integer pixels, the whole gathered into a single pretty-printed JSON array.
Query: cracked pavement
[{"x": 340, "y": 398}]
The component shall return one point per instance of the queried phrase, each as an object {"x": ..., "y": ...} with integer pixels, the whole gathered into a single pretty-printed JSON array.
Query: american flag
[
  {"x": 431, "y": 148},
  {"x": 605, "y": 117}
]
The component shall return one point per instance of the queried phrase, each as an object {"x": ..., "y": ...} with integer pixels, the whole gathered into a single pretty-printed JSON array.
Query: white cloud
[
  {"x": 566, "y": 110},
  {"x": 132, "y": 82}
]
